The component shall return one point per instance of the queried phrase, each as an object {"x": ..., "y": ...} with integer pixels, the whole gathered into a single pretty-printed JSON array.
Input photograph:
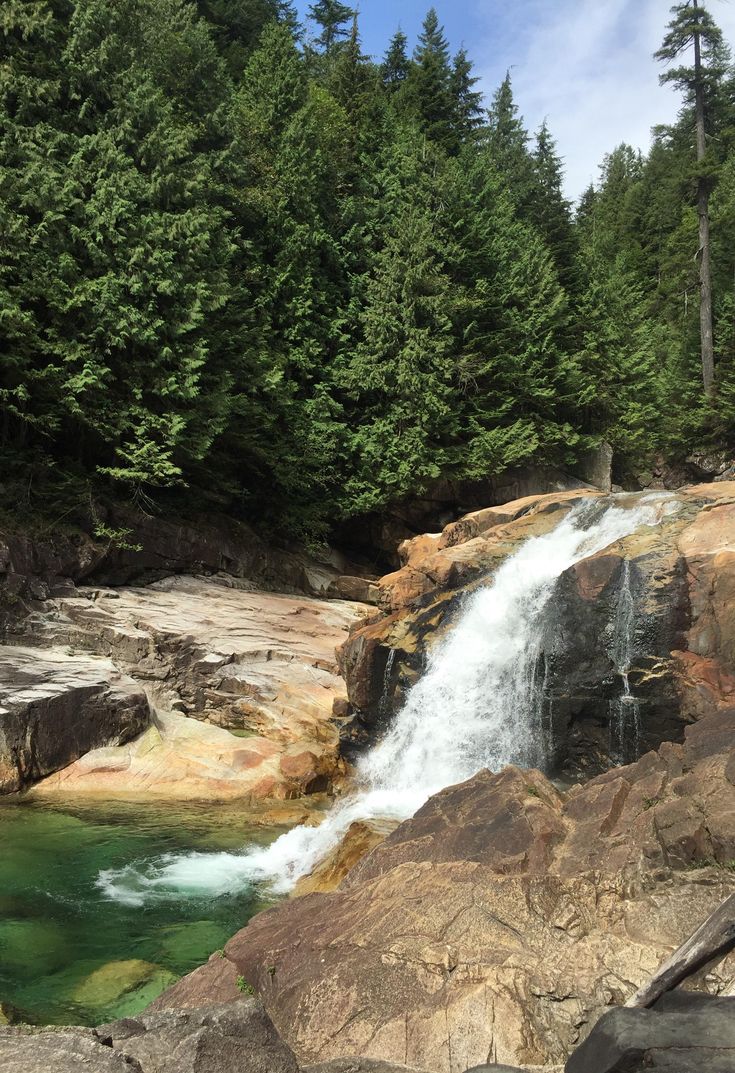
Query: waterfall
[
  {"x": 625, "y": 726},
  {"x": 478, "y": 705}
]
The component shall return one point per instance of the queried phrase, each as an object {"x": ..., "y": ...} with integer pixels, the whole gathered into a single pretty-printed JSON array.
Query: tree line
[{"x": 243, "y": 264}]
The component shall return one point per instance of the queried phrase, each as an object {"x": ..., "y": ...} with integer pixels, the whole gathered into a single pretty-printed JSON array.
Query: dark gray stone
[
  {"x": 686, "y": 1033},
  {"x": 68, "y": 1050},
  {"x": 236, "y": 1037},
  {"x": 495, "y": 1069}
]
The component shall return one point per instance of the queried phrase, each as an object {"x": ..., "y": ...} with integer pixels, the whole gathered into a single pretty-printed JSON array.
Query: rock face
[
  {"x": 260, "y": 664},
  {"x": 32, "y": 567},
  {"x": 236, "y": 1038},
  {"x": 506, "y": 916},
  {"x": 677, "y": 579},
  {"x": 54, "y": 707}
]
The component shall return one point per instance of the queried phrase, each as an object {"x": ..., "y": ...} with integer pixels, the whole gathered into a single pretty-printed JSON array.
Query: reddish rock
[
  {"x": 215, "y": 981},
  {"x": 506, "y": 915}
]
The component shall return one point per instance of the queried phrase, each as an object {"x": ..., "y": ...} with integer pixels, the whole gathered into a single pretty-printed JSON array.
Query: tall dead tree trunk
[{"x": 705, "y": 261}]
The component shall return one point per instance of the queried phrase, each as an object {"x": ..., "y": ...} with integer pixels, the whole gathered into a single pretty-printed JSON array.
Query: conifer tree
[
  {"x": 518, "y": 383},
  {"x": 549, "y": 211},
  {"x": 237, "y": 25},
  {"x": 399, "y": 381},
  {"x": 467, "y": 100},
  {"x": 507, "y": 141},
  {"x": 395, "y": 67},
  {"x": 333, "y": 18},
  {"x": 693, "y": 27},
  {"x": 34, "y": 145},
  {"x": 428, "y": 90}
]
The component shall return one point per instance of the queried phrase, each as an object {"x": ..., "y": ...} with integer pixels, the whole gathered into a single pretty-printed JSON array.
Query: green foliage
[
  {"x": 294, "y": 284},
  {"x": 244, "y": 987}
]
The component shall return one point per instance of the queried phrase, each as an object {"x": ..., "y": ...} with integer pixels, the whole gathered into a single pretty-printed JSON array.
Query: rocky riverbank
[{"x": 514, "y": 909}]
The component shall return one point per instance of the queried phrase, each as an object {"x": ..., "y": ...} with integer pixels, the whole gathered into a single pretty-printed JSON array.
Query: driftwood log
[{"x": 711, "y": 942}]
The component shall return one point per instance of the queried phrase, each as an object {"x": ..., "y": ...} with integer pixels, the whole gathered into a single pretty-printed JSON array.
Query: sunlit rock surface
[
  {"x": 215, "y": 659},
  {"x": 507, "y": 915},
  {"x": 56, "y": 705}
]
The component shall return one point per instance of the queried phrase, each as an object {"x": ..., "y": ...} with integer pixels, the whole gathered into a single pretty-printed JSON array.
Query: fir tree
[
  {"x": 692, "y": 26},
  {"x": 333, "y": 18},
  {"x": 549, "y": 211},
  {"x": 395, "y": 67},
  {"x": 399, "y": 381},
  {"x": 467, "y": 100},
  {"x": 428, "y": 92},
  {"x": 507, "y": 141}
]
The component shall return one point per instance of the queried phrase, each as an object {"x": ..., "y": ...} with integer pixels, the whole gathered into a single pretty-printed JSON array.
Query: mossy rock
[
  {"x": 32, "y": 947},
  {"x": 108, "y": 987}
]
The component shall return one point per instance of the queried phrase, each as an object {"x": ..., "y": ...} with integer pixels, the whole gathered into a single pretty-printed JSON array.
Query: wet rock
[
  {"x": 362, "y": 836},
  {"x": 55, "y": 706},
  {"x": 378, "y": 535},
  {"x": 679, "y": 647},
  {"x": 107, "y": 986}
]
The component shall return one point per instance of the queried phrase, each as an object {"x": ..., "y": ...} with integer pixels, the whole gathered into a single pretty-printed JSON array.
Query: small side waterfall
[
  {"x": 625, "y": 710},
  {"x": 478, "y": 705}
]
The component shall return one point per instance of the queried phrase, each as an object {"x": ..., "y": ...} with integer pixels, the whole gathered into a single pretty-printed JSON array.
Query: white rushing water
[
  {"x": 476, "y": 706},
  {"x": 625, "y": 710}
]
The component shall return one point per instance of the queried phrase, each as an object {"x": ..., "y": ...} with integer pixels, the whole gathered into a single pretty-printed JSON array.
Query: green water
[{"x": 58, "y": 932}]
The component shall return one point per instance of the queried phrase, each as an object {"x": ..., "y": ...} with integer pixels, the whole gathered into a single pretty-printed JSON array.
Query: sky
[{"x": 584, "y": 65}]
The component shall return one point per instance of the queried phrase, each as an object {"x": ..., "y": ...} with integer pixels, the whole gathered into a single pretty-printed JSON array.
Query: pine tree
[
  {"x": 395, "y": 67},
  {"x": 428, "y": 91},
  {"x": 467, "y": 101},
  {"x": 549, "y": 211},
  {"x": 692, "y": 26},
  {"x": 333, "y": 17}
]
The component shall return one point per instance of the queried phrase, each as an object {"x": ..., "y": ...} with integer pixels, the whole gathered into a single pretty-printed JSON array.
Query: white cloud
[{"x": 588, "y": 67}]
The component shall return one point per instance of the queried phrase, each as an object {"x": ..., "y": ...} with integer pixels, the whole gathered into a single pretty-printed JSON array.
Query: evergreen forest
[{"x": 243, "y": 264}]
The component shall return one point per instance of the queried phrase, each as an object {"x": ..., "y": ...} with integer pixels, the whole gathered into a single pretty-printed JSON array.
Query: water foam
[{"x": 476, "y": 706}]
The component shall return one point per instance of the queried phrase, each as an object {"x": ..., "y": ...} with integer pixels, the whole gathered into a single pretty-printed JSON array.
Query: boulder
[
  {"x": 358, "y": 1065},
  {"x": 213, "y": 982},
  {"x": 106, "y": 987},
  {"x": 685, "y": 1033},
  {"x": 55, "y": 706},
  {"x": 506, "y": 916},
  {"x": 235, "y": 1038},
  {"x": 63, "y": 1050}
]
